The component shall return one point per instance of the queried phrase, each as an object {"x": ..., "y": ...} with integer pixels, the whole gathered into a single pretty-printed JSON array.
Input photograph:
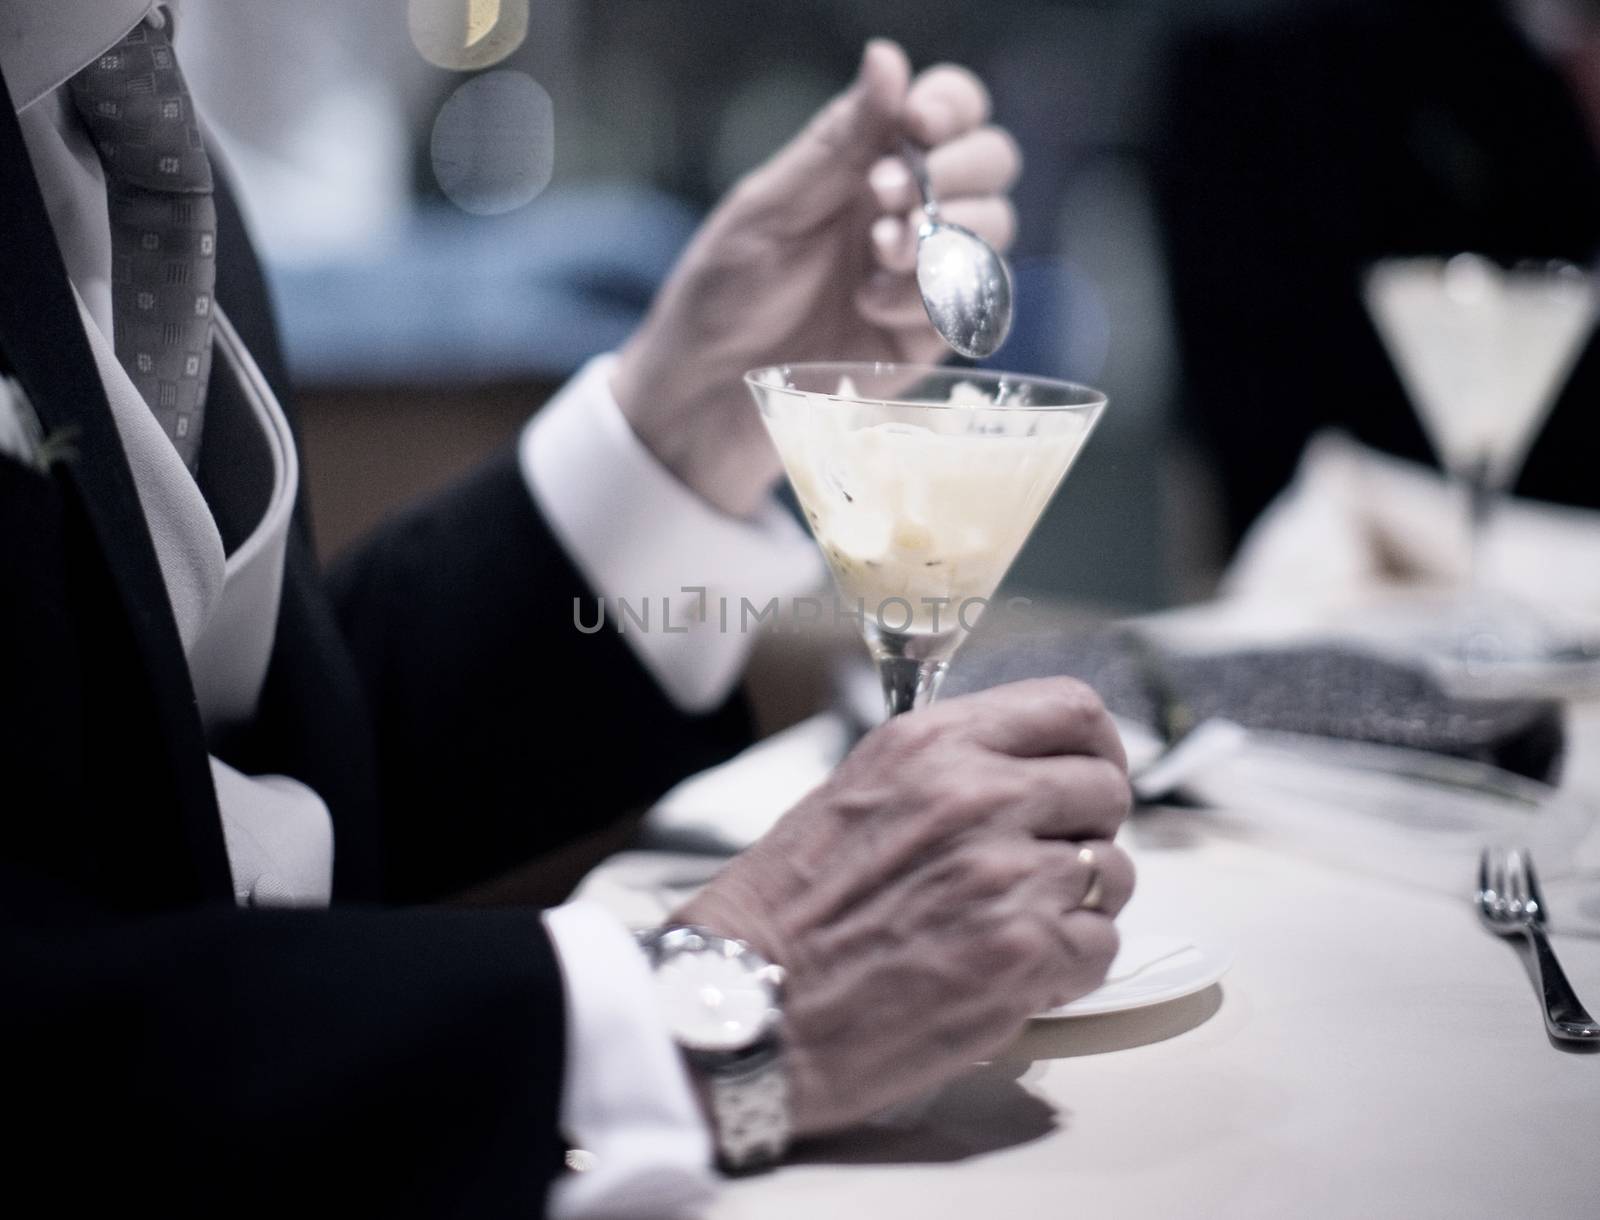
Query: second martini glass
[
  {"x": 1483, "y": 353},
  {"x": 920, "y": 484}
]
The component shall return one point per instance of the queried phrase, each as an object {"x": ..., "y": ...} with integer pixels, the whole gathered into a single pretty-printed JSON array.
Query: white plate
[{"x": 1149, "y": 969}]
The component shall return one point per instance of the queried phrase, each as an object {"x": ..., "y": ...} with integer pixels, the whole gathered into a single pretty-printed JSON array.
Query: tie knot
[{"x": 135, "y": 104}]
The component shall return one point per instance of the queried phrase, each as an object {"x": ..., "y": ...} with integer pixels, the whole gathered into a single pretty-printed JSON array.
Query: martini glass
[
  {"x": 1483, "y": 353},
  {"x": 920, "y": 484}
]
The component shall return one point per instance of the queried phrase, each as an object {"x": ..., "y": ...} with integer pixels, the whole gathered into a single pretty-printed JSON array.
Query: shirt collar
[{"x": 43, "y": 42}]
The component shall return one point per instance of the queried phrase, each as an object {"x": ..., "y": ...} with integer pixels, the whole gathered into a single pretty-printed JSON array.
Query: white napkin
[
  {"x": 1400, "y": 815},
  {"x": 729, "y": 807},
  {"x": 1356, "y": 521},
  {"x": 641, "y": 888},
  {"x": 19, "y": 426}
]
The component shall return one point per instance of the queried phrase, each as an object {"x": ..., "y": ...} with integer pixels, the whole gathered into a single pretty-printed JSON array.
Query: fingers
[
  {"x": 970, "y": 176},
  {"x": 1073, "y": 797},
  {"x": 1059, "y": 877},
  {"x": 894, "y": 238},
  {"x": 820, "y": 171},
  {"x": 982, "y": 162},
  {"x": 858, "y": 124},
  {"x": 1116, "y": 871},
  {"x": 1079, "y": 945},
  {"x": 894, "y": 244},
  {"x": 1088, "y": 943},
  {"x": 943, "y": 102},
  {"x": 821, "y": 168},
  {"x": 1036, "y": 719},
  {"x": 890, "y": 300}
]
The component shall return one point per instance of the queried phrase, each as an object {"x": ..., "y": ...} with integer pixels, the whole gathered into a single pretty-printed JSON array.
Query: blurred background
[{"x": 422, "y": 329}]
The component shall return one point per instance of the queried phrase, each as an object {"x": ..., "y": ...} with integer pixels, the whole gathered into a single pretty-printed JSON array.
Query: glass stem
[
  {"x": 1480, "y": 506},
  {"x": 909, "y": 683}
]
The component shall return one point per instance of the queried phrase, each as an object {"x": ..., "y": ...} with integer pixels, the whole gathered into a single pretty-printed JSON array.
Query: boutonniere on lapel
[{"x": 23, "y": 440}]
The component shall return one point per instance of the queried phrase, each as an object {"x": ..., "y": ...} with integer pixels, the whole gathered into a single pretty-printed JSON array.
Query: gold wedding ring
[{"x": 1091, "y": 896}]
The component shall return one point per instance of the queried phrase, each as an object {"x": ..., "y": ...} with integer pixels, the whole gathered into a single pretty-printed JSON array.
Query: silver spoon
[{"x": 965, "y": 283}]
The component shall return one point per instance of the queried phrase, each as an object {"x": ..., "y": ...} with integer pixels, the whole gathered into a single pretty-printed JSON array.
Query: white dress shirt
[{"x": 630, "y": 527}]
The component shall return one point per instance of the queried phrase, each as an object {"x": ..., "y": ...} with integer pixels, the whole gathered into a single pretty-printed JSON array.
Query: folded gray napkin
[{"x": 1323, "y": 690}]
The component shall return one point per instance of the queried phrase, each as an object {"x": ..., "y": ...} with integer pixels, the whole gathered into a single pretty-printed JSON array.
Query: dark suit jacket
[
  {"x": 167, "y": 1049},
  {"x": 1298, "y": 148}
]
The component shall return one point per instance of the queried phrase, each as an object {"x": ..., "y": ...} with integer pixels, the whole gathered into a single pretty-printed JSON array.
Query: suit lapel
[{"x": 42, "y": 338}]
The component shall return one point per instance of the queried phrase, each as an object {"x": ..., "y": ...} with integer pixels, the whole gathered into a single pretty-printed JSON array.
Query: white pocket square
[{"x": 21, "y": 438}]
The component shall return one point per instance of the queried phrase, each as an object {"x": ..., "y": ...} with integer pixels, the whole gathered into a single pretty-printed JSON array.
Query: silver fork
[{"x": 1510, "y": 903}]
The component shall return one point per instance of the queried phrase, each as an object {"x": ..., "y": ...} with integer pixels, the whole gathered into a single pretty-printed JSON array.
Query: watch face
[{"x": 715, "y": 1001}]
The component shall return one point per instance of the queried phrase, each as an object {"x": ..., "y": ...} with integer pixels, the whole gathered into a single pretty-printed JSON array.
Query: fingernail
[
  {"x": 889, "y": 179},
  {"x": 870, "y": 49},
  {"x": 886, "y": 233}
]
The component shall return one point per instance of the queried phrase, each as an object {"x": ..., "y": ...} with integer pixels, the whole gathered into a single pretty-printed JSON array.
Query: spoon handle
[{"x": 917, "y": 162}]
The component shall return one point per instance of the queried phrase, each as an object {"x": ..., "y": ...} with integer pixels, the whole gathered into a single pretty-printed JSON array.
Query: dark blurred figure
[{"x": 1299, "y": 146}]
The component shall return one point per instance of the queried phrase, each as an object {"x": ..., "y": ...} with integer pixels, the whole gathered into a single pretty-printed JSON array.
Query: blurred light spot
[
  {"x": 494, "y": 143},
  {"x": 482, "y": 17},
  {"x": 467, "y": 34}
]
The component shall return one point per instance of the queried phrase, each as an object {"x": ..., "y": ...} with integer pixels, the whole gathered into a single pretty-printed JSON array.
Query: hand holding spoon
[{"x": 964, "y": 281}]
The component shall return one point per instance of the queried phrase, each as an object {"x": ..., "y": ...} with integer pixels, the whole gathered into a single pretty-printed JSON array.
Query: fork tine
[
  {"x": 1483, "y": 871},
  {"x": 1531, "y": 876},
  {"x": 1516, "y": 881},
  {"x": 1496, "y": 859}
]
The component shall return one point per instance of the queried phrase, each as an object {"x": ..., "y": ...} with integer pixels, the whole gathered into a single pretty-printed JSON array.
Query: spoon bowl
[{"x": 964, "y": 281}]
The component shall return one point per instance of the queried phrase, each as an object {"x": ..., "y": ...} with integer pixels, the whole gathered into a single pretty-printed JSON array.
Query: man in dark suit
[
  {"x": 1301, "y": 144},
  {"x": 229, "y": 781}
]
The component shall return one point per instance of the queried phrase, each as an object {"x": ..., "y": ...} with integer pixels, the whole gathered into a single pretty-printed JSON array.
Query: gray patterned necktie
[{"x": 163, "y": 224}]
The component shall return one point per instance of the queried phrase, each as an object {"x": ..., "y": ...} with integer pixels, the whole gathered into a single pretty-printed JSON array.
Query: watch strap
[
  {"x": 750, "y": 1116},
  {"x": 747, "y": 1091}
]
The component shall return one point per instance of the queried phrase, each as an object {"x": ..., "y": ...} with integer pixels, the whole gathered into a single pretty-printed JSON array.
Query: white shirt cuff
[
  {"x": 680, "y": 568},
  {"x": 625, "y": 1097}
]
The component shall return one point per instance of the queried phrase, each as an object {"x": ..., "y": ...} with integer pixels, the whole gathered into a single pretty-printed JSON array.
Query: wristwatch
[{"x": 723, "y": 1005}]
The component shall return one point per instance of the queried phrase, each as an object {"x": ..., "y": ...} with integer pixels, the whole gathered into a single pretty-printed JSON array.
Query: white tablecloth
[{"x": 1372, "y": 1052}]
